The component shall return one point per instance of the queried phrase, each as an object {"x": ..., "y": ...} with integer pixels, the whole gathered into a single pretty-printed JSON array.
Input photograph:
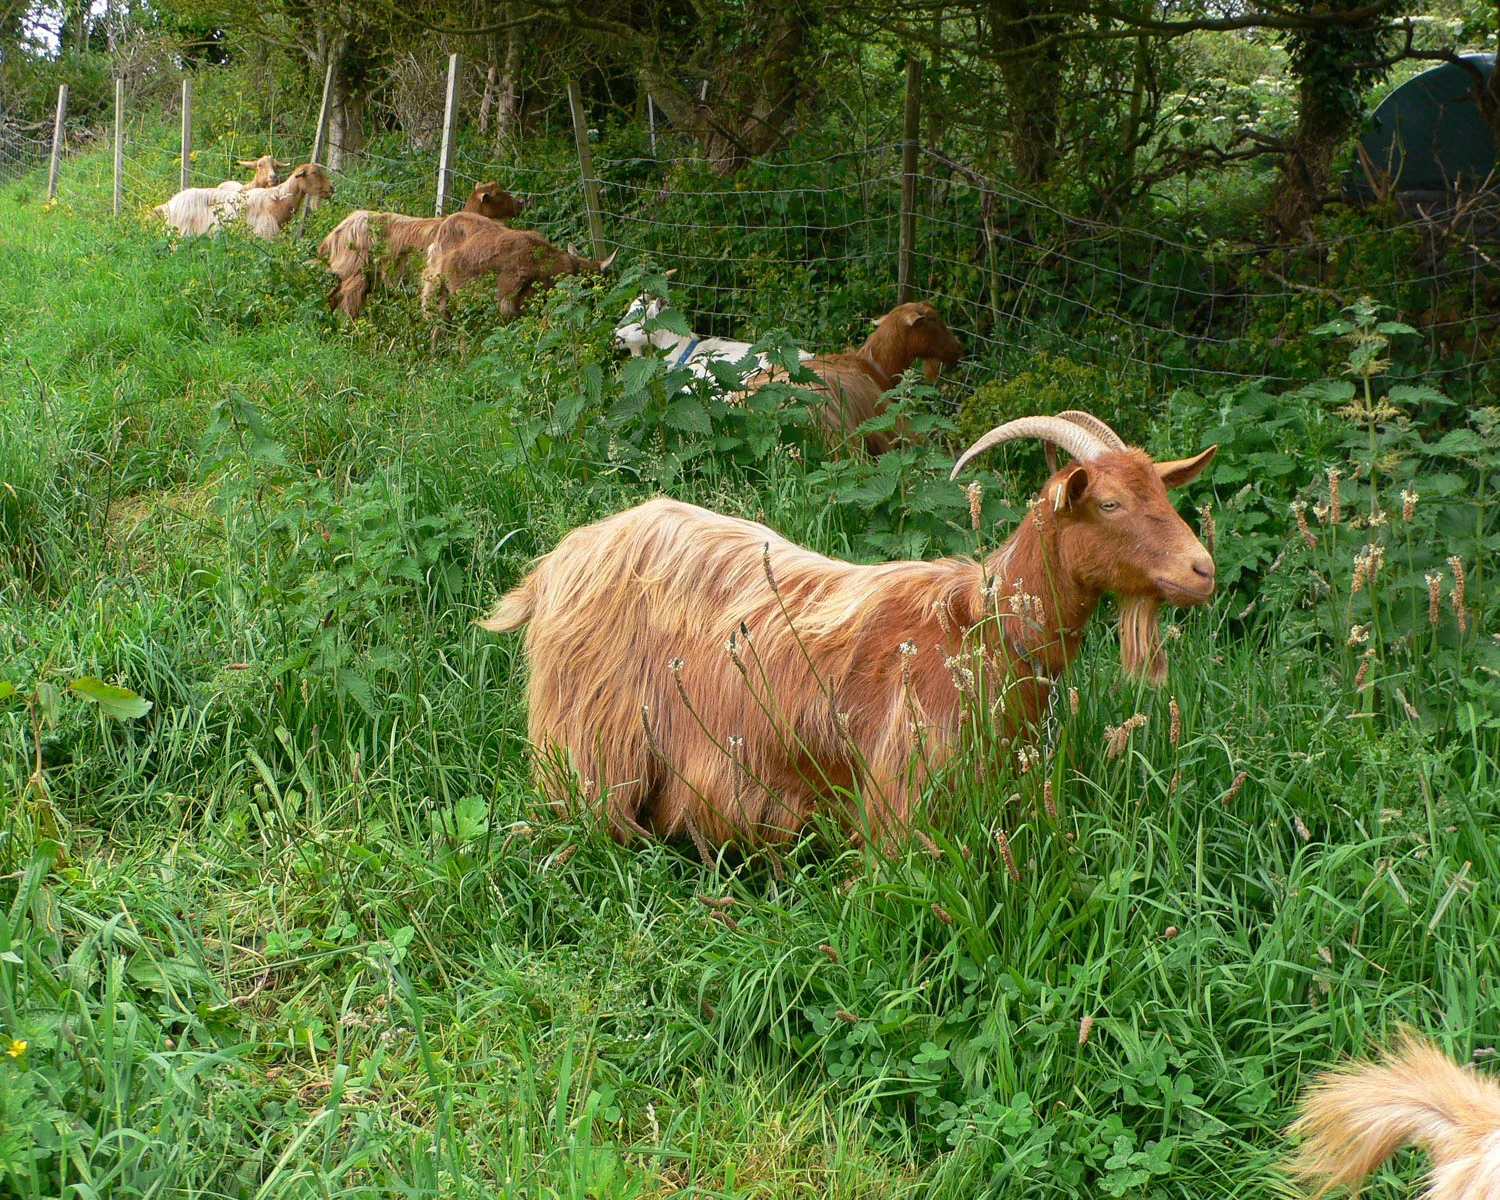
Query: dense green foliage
[{"x": 301, "y": 927}]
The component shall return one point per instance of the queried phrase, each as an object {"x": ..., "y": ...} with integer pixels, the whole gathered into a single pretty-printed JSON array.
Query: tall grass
[{"x": 305, "y": 930}]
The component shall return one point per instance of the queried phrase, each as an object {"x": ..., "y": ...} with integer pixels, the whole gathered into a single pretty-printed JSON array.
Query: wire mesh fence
[
  {"x": 23, "y": 148},
  {"x": 801, "y": 242}
]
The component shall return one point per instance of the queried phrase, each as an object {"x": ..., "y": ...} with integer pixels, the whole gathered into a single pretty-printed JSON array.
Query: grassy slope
[{"x": 315, "y": 939}]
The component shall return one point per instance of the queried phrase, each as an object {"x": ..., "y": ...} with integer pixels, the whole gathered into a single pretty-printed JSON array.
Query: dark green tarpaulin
[{"x": 1428, "y": 134}]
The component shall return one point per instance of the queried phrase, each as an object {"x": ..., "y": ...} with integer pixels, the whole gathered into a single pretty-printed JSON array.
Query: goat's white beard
[{"x": 1141, "y": 653}]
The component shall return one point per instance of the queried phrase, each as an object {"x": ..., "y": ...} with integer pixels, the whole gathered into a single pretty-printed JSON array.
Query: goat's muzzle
[{"x": 1192, "y": 586}]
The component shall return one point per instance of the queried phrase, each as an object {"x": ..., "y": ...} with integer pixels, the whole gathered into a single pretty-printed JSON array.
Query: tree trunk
[
  {"x": 508, "y": 104},
  {"x": 491, "y": 78},
  {"x": 1305, "y": 172},
  {"x": 346, "y": 125},
  {"x": 1032, "y": 75}
]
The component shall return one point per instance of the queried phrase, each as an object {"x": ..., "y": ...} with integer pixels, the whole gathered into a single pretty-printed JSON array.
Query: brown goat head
[
  {"x": 311, "y": 181},
  {"x": 1114, "y": 527},
  {"x": 491, "y": 200},
  {"x": 267, "y": 170},
  {"x": 928, "y": 337}
]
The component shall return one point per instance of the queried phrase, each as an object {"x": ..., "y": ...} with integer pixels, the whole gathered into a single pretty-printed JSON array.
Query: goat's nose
[{"x": 1203, "y": 565}]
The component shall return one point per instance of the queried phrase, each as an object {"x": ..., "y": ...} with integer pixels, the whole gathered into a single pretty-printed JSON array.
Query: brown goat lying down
[
  {"x": 704, "y": 676},
  {"x": 351, "y": 246},
  {"x": 523, "y": 262},
  {"x": 855, "y": 382}
]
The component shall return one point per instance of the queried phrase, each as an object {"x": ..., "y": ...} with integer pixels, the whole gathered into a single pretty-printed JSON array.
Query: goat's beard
[
  {"x": 930, "y": 369},
  {"x": 1141, "y": 655}
]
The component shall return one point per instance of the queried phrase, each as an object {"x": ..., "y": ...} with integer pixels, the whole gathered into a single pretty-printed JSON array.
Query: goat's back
[
  {"x": 347, "y": 246},
  {"x": 628, "y": 632},
  {"x": 854, "y": 391},
  {"x": 200, "y": 210}
]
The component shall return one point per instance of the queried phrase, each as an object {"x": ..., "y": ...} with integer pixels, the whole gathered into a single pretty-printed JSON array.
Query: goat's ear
[
  {"x": 1068, "y": 491},
  {"x": 669, "y": 273},
  {"x": 915, "y": 317},
  {"x": 1185, "y": 470}
]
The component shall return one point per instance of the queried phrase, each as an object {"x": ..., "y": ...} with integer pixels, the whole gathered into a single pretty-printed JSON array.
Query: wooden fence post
[
  {"x": 187, "y": 132},
  {"x": 318, "y": 134},
  {"x": 449, "y": 131},
  {"x": 57, "y": 141},
  {"x": 119, "y": 140},
  {"x": 586, "y": 168},
  {"x": 911, "y": 131},
  {"x": 445, "y": 155}
]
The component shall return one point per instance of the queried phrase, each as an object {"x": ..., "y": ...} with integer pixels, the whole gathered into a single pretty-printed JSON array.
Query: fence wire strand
[{"x": 792, "y": 242}]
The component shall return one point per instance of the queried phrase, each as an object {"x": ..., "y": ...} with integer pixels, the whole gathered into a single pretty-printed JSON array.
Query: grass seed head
[
  {"x": 1456, "y": 565},
  {"x": 1174, "y": 735},
  {"x": 1206, "y": 524},
  {"x": 1434, "y": 597},
  {"x": 1005, "y": 852},
  {"x": 1335, "y": 505},
  {"x": 1234, "y": 788},
  {"x": 975, "y": 492},
  {"x": 1409, "y": 503},
  {"x": 1299, "y": 511},
  {"x": 1085, "y": 1027}
]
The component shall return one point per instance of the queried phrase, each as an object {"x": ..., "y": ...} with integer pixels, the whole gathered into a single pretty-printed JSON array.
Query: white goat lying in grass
[{"x": 697, "y": 354}]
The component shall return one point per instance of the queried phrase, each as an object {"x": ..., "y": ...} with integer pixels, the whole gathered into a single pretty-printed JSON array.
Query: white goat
[
  {"x": 697, "y": 354},
  {"x": 196, "y": 211}
]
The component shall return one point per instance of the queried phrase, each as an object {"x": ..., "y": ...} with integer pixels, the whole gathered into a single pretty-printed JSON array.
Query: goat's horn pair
[
  {"x": 1093, "y": 424},
  {"x": 1076, "y": 439}
]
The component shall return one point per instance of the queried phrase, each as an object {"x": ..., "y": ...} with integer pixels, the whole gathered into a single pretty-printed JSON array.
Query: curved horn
[
  {"x": 1094, "y": 425},
  {"x": 1076, "y": 440}
]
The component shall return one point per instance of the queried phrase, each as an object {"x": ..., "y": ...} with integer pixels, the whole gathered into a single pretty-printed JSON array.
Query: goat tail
[
  {"x": 1355, "y": 1117},
  {"x": 514, "y": 610}
]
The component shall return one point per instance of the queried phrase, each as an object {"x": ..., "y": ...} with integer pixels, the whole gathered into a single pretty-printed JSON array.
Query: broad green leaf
[
  {"x": 638, "y": 372},
  {"x": 117, "y": 703},
  {"x": 358, "y": 687},
  {"x": 687, "y": 414}
]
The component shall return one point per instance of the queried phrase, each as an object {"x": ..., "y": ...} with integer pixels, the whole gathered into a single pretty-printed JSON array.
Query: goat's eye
[{"x": 1109, "y": 505}]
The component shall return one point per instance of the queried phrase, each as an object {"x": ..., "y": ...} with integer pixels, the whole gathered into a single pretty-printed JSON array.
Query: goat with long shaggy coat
[
  {"x": 855, "y": 382},
  {"x": 1356, "y": 1117},
  {"x": 703, "y": 676},
  {"x": 468, "y": 246},
  {"x": 195, "y": 211},
  {"x": 367, "y": 248}
]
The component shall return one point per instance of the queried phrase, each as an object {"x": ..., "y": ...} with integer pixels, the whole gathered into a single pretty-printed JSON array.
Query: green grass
[{"x": 305, "y": 930}]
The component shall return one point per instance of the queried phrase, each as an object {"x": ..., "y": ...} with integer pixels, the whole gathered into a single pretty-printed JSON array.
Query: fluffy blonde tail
[
  {"x": 1355, "y": 1117},
  {"x": 513, "y": 611}
]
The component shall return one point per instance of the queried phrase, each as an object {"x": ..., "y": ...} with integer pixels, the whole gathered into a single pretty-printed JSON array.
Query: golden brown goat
[
  {"x": 706, "y": 677},
  {"x": 523, "y": 262},
  {"x": 351, "y": 246},
  {"x": 1356, "y": 1117},
  {"x": 195, "y": 211},
  {"x": 855, "y": 381},
  {"x": 267, "y": 170}
]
